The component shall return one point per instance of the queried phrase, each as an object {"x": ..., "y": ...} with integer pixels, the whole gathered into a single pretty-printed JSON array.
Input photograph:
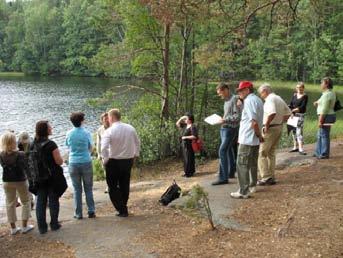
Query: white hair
[{"x": 266, "y": 87}]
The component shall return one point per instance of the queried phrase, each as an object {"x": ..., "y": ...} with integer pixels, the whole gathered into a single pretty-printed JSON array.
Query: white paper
[
  {"x": 293, "y": 121},
  {"x": 213, "y": 119}
]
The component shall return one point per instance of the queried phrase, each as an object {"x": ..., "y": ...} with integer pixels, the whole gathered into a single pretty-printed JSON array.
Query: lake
[{"x": 26, "y": 100}]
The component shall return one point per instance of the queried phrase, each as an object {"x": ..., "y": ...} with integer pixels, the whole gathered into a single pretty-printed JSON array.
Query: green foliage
[{"x": 98, "y": 170}]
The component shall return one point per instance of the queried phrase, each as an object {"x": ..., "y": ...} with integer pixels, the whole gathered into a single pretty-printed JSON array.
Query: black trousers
[
  {"x": 188, "y": 159},
  {"x": 118, "y": 172}
]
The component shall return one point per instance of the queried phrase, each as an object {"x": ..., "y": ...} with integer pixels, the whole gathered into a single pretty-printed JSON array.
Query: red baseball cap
[{"x": 244, "y": 84}]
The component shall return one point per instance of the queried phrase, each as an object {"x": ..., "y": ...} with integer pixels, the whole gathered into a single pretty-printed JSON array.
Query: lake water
[{"x": 26, "y": 100}]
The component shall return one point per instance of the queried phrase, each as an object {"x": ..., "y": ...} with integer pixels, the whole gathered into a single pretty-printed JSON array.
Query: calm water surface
[{"x": 26, "y": 100}]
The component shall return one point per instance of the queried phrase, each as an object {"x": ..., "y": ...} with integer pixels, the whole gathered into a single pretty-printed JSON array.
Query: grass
[
  {"x": 286, "y": 89},
  {"x": 11, "y": 74}
]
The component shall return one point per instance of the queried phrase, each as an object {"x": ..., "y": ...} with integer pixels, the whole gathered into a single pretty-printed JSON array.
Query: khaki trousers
[
  {"x": 266, "y": 159},
  {"x": 11, "y": 189}
]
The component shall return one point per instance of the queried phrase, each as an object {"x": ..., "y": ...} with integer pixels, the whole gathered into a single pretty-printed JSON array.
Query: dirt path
[{"x": 305, "y": 208}]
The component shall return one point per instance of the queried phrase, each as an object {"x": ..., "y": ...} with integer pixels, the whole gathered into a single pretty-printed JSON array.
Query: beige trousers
[
  {"x": 11, "y": 189},
  {"x": 266, "y": 158}
]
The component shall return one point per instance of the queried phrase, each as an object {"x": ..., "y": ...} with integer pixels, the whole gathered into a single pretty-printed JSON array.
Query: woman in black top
[
  {"x": 189, "y": 133},
  {"x": 53, "y": 159},
  {"x": 298, "y": 107}
]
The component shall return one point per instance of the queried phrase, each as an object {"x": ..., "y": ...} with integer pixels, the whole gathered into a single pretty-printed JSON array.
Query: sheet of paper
[
  {"x": 293, "y": 121},
  {"x": 213, "y": 119}
]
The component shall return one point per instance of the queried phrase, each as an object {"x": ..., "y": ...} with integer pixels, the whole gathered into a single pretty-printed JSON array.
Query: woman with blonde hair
[{"x": 14, "y": 179}]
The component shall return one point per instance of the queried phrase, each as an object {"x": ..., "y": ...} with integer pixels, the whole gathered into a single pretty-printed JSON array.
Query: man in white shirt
[
  {"x": 101, "y": 130},
  {"x": 275, "y": 113},
  {"x": 120, "y": 145}
]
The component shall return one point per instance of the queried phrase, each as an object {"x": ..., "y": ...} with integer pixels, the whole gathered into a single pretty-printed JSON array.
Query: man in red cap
[{"x": 249, "y": 139}]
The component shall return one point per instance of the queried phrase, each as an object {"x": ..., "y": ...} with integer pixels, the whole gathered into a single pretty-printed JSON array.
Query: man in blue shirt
[
  {"x": 79, "y": 142},
  {"x": 249, "y": 139}
]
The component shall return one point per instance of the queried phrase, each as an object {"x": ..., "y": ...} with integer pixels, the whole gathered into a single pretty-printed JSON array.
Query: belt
[{"x": 274, "y": 125}]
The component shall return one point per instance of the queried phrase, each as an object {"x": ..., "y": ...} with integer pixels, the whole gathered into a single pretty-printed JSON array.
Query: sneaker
[
  {"x": 27, "y": 229},
  {"x": 78, "y": 217},
  {"x": 252, "y": 189},
  {"x": 269, "y": 181},
  {"x": 123, "y": 215},
  {"x": 294, "y": 150},
  {"x": 302, "y": 153},
  {"x": 55, "y": 227},
  {"x": 91, "y": 215},
  {"x": 15, "y": 230},
  {"x": 220, "y": 182},
  {"x": 238, "y": 195}
]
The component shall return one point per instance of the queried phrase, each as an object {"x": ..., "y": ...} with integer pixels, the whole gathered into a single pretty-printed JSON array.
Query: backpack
[
  {"x": 12, "y": 172},
  {"x": 37, "y": 166},
  {"x": 173, "y": 192}
]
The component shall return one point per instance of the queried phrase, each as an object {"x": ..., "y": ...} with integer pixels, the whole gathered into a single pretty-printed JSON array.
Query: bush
[{"x": 98, "y": 170}]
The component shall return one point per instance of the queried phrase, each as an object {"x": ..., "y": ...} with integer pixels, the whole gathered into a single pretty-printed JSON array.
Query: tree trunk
[
  {"x": 165, "y": 78},
  {"x": 191, "y": 108},
  {"x": 183, "y": 82}
]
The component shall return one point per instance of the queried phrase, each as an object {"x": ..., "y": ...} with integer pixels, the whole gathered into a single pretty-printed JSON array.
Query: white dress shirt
[
  {"x": 274, "y": 104},
  {"x": 120, "y": 141}
]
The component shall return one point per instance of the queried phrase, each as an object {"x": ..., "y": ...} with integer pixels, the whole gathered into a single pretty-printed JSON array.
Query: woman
[
  {"x": 298, "y": 107},
  {"x": 326, "y": 117},
  {"x": 79, "y": 142},
  {"x": 14, "y": 179},
  {"x": 189, "y": 133},
  {"x": 52, "y": 157}
]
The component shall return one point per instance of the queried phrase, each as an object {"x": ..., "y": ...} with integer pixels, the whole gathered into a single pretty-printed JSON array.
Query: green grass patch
[{"x": 11, "y": 74}]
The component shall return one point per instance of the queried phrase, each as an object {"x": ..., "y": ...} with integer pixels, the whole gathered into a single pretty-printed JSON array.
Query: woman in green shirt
[{"x": 326, "y": 117}]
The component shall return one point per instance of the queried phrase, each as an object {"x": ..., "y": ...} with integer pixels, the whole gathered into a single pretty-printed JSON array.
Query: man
[
  {"x": 276, "y": 112},
  {"x": 119, "y": 147},
  {"x": 228, "y": 134},
  {"x": 101, "y": 130},
  {"x": 249, "y": 139}
]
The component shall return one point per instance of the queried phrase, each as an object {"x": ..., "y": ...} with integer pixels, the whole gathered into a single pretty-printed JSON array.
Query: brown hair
[
  {"x": 115, "y": 113},
  {"x": 42, "y": 129},
  {"x": 328, "y": 81},
  {"x": 76, "y": 118},
  {"x": 223, "y": 86},
  {"x": 103, "y": 115}
]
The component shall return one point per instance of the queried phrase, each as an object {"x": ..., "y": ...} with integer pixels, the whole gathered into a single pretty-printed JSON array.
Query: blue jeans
[
  {"x": 323, "y": 142},
  {"x": 43, "y": 194},
  {"x": 226, "y": 152},
  {"x": 82, "y": 173}
]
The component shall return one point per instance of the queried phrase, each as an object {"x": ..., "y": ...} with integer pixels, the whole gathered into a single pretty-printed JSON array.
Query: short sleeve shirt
[
  {"x": 274, "y": 104},
  {"x": 326, "y": 103},
  {"x": 79, "y": 141},
  {"x": 252, "y": 110}
]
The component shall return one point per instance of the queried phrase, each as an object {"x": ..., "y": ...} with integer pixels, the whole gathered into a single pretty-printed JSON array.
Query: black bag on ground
[{"x": 173, "y": 192}]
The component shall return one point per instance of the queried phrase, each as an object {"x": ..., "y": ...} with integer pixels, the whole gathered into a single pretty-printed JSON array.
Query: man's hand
[
  {"x": 315, "y": 103},
  {"x": 222, "y": 121}
]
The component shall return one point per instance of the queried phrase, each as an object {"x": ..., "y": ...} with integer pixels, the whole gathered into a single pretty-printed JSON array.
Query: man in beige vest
[{"x": 275, "y": 113}]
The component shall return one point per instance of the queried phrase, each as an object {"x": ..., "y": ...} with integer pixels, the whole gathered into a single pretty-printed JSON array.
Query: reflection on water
[{"x": 24, "y": 101}]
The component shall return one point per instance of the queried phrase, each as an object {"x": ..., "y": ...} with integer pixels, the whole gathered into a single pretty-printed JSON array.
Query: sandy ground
[{"x": 301, "y": 216}]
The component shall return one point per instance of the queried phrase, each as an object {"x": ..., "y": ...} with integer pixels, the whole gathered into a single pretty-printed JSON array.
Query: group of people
[
  {"x": 117, "y": 145},
  {"x": 251, "y": 130},
  {"x": 250, "y": 133}
]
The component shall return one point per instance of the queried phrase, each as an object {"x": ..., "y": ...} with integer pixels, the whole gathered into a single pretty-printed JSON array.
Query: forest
[{"x": 180, "y": 46}]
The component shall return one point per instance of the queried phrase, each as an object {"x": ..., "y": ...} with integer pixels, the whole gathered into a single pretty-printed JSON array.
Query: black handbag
[
  {"x": 330, "y": 119},
  {"x": 59, "y": 182}
]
